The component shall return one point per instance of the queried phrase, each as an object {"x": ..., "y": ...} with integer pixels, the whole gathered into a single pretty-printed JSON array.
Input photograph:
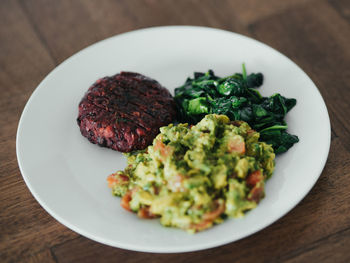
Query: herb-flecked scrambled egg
[{"x": 193, "y": 177}]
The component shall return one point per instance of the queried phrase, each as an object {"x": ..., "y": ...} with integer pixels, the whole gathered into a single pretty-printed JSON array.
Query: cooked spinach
[{"x": 237, "y": 97}]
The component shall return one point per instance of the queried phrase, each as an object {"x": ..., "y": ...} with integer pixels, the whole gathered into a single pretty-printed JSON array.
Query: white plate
[{"x": 67, "y": 174}]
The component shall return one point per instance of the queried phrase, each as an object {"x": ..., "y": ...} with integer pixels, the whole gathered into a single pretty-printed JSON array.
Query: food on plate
[
  {"x": 236, "y": 96},
  {"x": 124, "y": 112},
  {"x": 194, "y": 176}
]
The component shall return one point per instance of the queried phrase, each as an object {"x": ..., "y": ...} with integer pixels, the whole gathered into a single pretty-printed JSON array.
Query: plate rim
[{"x": 149, "y": 249}]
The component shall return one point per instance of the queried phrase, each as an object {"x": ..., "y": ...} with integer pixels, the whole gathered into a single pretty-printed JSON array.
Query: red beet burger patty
[{"x": 124, "y": 112}]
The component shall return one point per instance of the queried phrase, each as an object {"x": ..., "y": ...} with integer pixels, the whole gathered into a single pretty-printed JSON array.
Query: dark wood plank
[
  {"x": 25, "y": 228},
  {"x": 73, "y": 25},
  {"x": 186, "y": 12},
  {"x": 321, "y": 48},
  {"x": 326, "y": 210},
  {"x": 68, "y": 26},
  {"x": 40, "y": 257},
  {"x": 252, "y": 11},
  {"x": 330, "y": 249},
  {"x": 342, "y": 6},
  {"x": 23, "y": 63}
]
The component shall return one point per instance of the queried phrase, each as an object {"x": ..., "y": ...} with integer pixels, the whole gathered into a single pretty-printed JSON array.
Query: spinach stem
[
  {"x": 274, "y": 127},
  {"x": 244, "y": 72}
]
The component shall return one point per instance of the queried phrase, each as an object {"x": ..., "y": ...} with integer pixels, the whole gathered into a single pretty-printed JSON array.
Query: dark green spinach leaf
[{"x": 236, "y": 96}]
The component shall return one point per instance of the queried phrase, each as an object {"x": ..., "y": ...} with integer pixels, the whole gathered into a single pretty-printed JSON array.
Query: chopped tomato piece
[
  {"x": 158, "y": 145},
  {"x": 116, "y": 179},
  {"x": 236, "y": 145},
  {"x": 126, "y": 200},
  {"x": 201, "y": 226},
  {"x": 164, "y": 150},
  {"x": 254, "y": 178},
  {"x": 144, "y": 212},
  {"x": 211, "y": 216},
  {"x": 112, "y": 181},
  {"x": 256, "y": 194}
]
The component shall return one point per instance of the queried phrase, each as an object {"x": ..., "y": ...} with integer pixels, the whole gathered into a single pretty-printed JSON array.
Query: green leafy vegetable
[
  {"x": 198, "y": 105},
  {"x": 237, "y": 97}
]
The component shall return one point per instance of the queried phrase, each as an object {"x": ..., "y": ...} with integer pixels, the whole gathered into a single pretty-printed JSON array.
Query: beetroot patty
[{"x": 124, "y": 112}]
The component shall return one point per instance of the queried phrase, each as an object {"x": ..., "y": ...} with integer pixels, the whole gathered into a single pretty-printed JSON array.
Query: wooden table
[{"x": 37, "y": 35}]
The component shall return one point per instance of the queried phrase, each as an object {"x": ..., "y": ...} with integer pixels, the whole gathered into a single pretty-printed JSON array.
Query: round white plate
[{"x": 67, "y": 174}]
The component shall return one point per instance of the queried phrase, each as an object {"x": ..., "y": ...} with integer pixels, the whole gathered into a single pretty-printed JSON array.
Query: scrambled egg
[{"x": 193, "y": 177}]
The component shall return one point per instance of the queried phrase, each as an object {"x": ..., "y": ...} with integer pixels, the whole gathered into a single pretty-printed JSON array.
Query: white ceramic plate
[{"x": 67, "y": 174}]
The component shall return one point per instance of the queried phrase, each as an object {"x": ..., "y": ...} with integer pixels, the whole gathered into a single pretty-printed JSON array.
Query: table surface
[{"x": 37, "y": 35}]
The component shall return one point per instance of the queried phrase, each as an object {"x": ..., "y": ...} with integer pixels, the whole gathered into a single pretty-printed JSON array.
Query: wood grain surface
[{"x": 37, "y": 35}]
